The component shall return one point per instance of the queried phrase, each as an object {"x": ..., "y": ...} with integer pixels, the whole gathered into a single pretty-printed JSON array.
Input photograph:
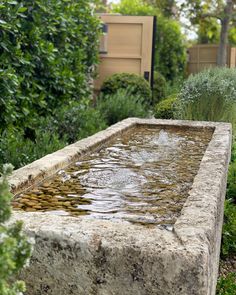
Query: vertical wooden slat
[{"x": 205, "y": 56}]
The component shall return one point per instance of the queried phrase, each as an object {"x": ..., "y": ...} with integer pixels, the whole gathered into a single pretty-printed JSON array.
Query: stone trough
[{"x": 90, "y": 256}]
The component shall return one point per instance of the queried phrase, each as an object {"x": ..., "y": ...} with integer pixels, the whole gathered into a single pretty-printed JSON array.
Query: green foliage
[
  {"x": 159, "y": 87},
  {"x": 21, "y": 151},
  {"x": 137, "y": 86},
  {"x": 231, "y": 187},
  {"x": 47, "y": 53},
  {"x": 232, "y": 36},
  {"x": 133, "y": 7},
  {"x": 209, "y": 96},
  {"x": 167, "y": 7},
  {"x": 166, "y": 108},
  {"x": 75, "y": 121},
  {"x": 229, "y": 230},
  {"x": 170, "y": 59},
  {"x": 170, "y": 52},
  {"x": 67, "y": 125},
  {"x": 227, "y": 285},
  {"x": 174, "y": 87},
  {"x": 15, "y": 248},
  {"x": 120, "y": 105},
  {"x": 208, "y": 31}
]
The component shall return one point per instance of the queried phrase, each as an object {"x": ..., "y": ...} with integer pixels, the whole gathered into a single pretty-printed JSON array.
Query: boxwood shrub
[
  {"x": 137, "y": 85},
  {"x": 159, "y": 87},
  {"x": 166, "y": 108}
]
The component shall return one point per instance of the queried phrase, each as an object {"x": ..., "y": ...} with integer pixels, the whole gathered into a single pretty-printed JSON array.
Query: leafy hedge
[
  {"x": 159, "y": 87},
  {"x": 137, "y": 85},
  {"x": 165, "y": 109},
  {"x": 170, "y": 49},
  {"x": 47, "y": 53},
  {"x": 74, "y": 122}
]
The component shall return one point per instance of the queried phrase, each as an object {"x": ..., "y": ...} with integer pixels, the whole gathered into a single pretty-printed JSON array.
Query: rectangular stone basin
[{"x": 147, "y": 221}]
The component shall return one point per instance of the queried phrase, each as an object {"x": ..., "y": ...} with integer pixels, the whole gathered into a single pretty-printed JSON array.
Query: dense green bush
[
  {"x": 170, "y": 49},
  {"x": 20, "y": 151},
  {"x": 47, "y": 53},
  {"x": 174, "y": 87},
  {"x": 133, "y": 7},
  {"x": 68, "y": 124},
  {"x": 75, "y": 121},
  {"x": 137, "y": 86},
  {"x": 231, "y": 185},
  {"x": 227, "y": 285},
  {"x": 209, "y": 96},
  {"x": 15, "y": 248},
  {"x": 170, "y": 45},
  {"x": 166, "y": 108},
  {"x": 229, "y": 230},
  {"x": 159, "y": 87},
  {"x": 120, "y": 105}
]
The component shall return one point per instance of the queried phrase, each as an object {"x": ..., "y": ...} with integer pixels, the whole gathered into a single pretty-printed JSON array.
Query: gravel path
[{"x": 227, "y": 266}]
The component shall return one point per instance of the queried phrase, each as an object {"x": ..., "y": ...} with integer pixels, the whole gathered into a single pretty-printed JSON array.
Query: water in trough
[{"x": 143, "y": 176}]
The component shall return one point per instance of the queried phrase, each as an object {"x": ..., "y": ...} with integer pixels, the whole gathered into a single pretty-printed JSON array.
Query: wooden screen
[{"x": 129, "y": 47}]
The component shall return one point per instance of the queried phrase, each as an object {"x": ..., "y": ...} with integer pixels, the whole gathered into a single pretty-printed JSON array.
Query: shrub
[
  {"x": 120, "y": 105},
  {"x": 170, "y": 49},
  {"x": 76, "y": 121},
  {"x": 209, "y": 96},
  {"x": 226, "y": 285},
  {"x": 133, "y": 7},
  {"x": 15, "y": 248},
  {"x": 174, "y": 87},
  {"x": 21, "y": 151},
  {"x": 231, "y": 188},
  {"x": 47, "y": 52},
  {"x": 166, "y": 108},
  {"x": 159, "y": 87},
  {"x": 69, "y": 124},
  {"x": 137, "y": 85},
  {"x": 231, "y": 185},
  {"x": 229, "y": 230}
]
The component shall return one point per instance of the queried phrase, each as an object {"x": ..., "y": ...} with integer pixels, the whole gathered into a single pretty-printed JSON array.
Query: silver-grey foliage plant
[{"x": 209, "y": 96}]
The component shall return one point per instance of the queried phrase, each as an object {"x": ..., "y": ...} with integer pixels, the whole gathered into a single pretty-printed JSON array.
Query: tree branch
[{"x": 215, "y": 15}]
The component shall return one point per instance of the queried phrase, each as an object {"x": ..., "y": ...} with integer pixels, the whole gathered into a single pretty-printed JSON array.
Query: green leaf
[{"x": 22, "y": 9}]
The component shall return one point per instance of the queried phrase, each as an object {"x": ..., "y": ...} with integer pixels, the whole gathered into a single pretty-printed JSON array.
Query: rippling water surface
[{"x": 142, "y": 177}]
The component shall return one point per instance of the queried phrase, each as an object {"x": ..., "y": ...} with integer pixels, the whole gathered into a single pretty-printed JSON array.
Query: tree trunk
[{"x": 225, "y": 21}]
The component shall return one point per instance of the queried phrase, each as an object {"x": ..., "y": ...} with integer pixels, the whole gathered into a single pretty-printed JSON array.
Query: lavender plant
[{"x": 209, "y": 96}]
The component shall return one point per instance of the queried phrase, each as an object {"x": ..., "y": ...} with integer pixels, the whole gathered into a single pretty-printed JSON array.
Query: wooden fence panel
[
  {"x": 232, "y": 58},
  {"x": 129, "y": 48},
  {"x": 204, "y": 56}
]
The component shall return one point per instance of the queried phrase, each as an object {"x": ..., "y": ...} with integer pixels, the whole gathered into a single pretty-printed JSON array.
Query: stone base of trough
[{"x": 89, "y": 256}]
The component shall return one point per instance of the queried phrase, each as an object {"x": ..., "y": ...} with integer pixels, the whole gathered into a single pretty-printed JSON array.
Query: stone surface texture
[{"x": 100, "y": 257}]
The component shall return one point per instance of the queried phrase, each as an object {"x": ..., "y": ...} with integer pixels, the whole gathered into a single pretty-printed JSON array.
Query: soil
[{"x": 227, "y": 266}]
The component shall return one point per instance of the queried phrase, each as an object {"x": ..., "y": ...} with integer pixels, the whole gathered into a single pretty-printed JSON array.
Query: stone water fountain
[{"x": 135, "y": 209}]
